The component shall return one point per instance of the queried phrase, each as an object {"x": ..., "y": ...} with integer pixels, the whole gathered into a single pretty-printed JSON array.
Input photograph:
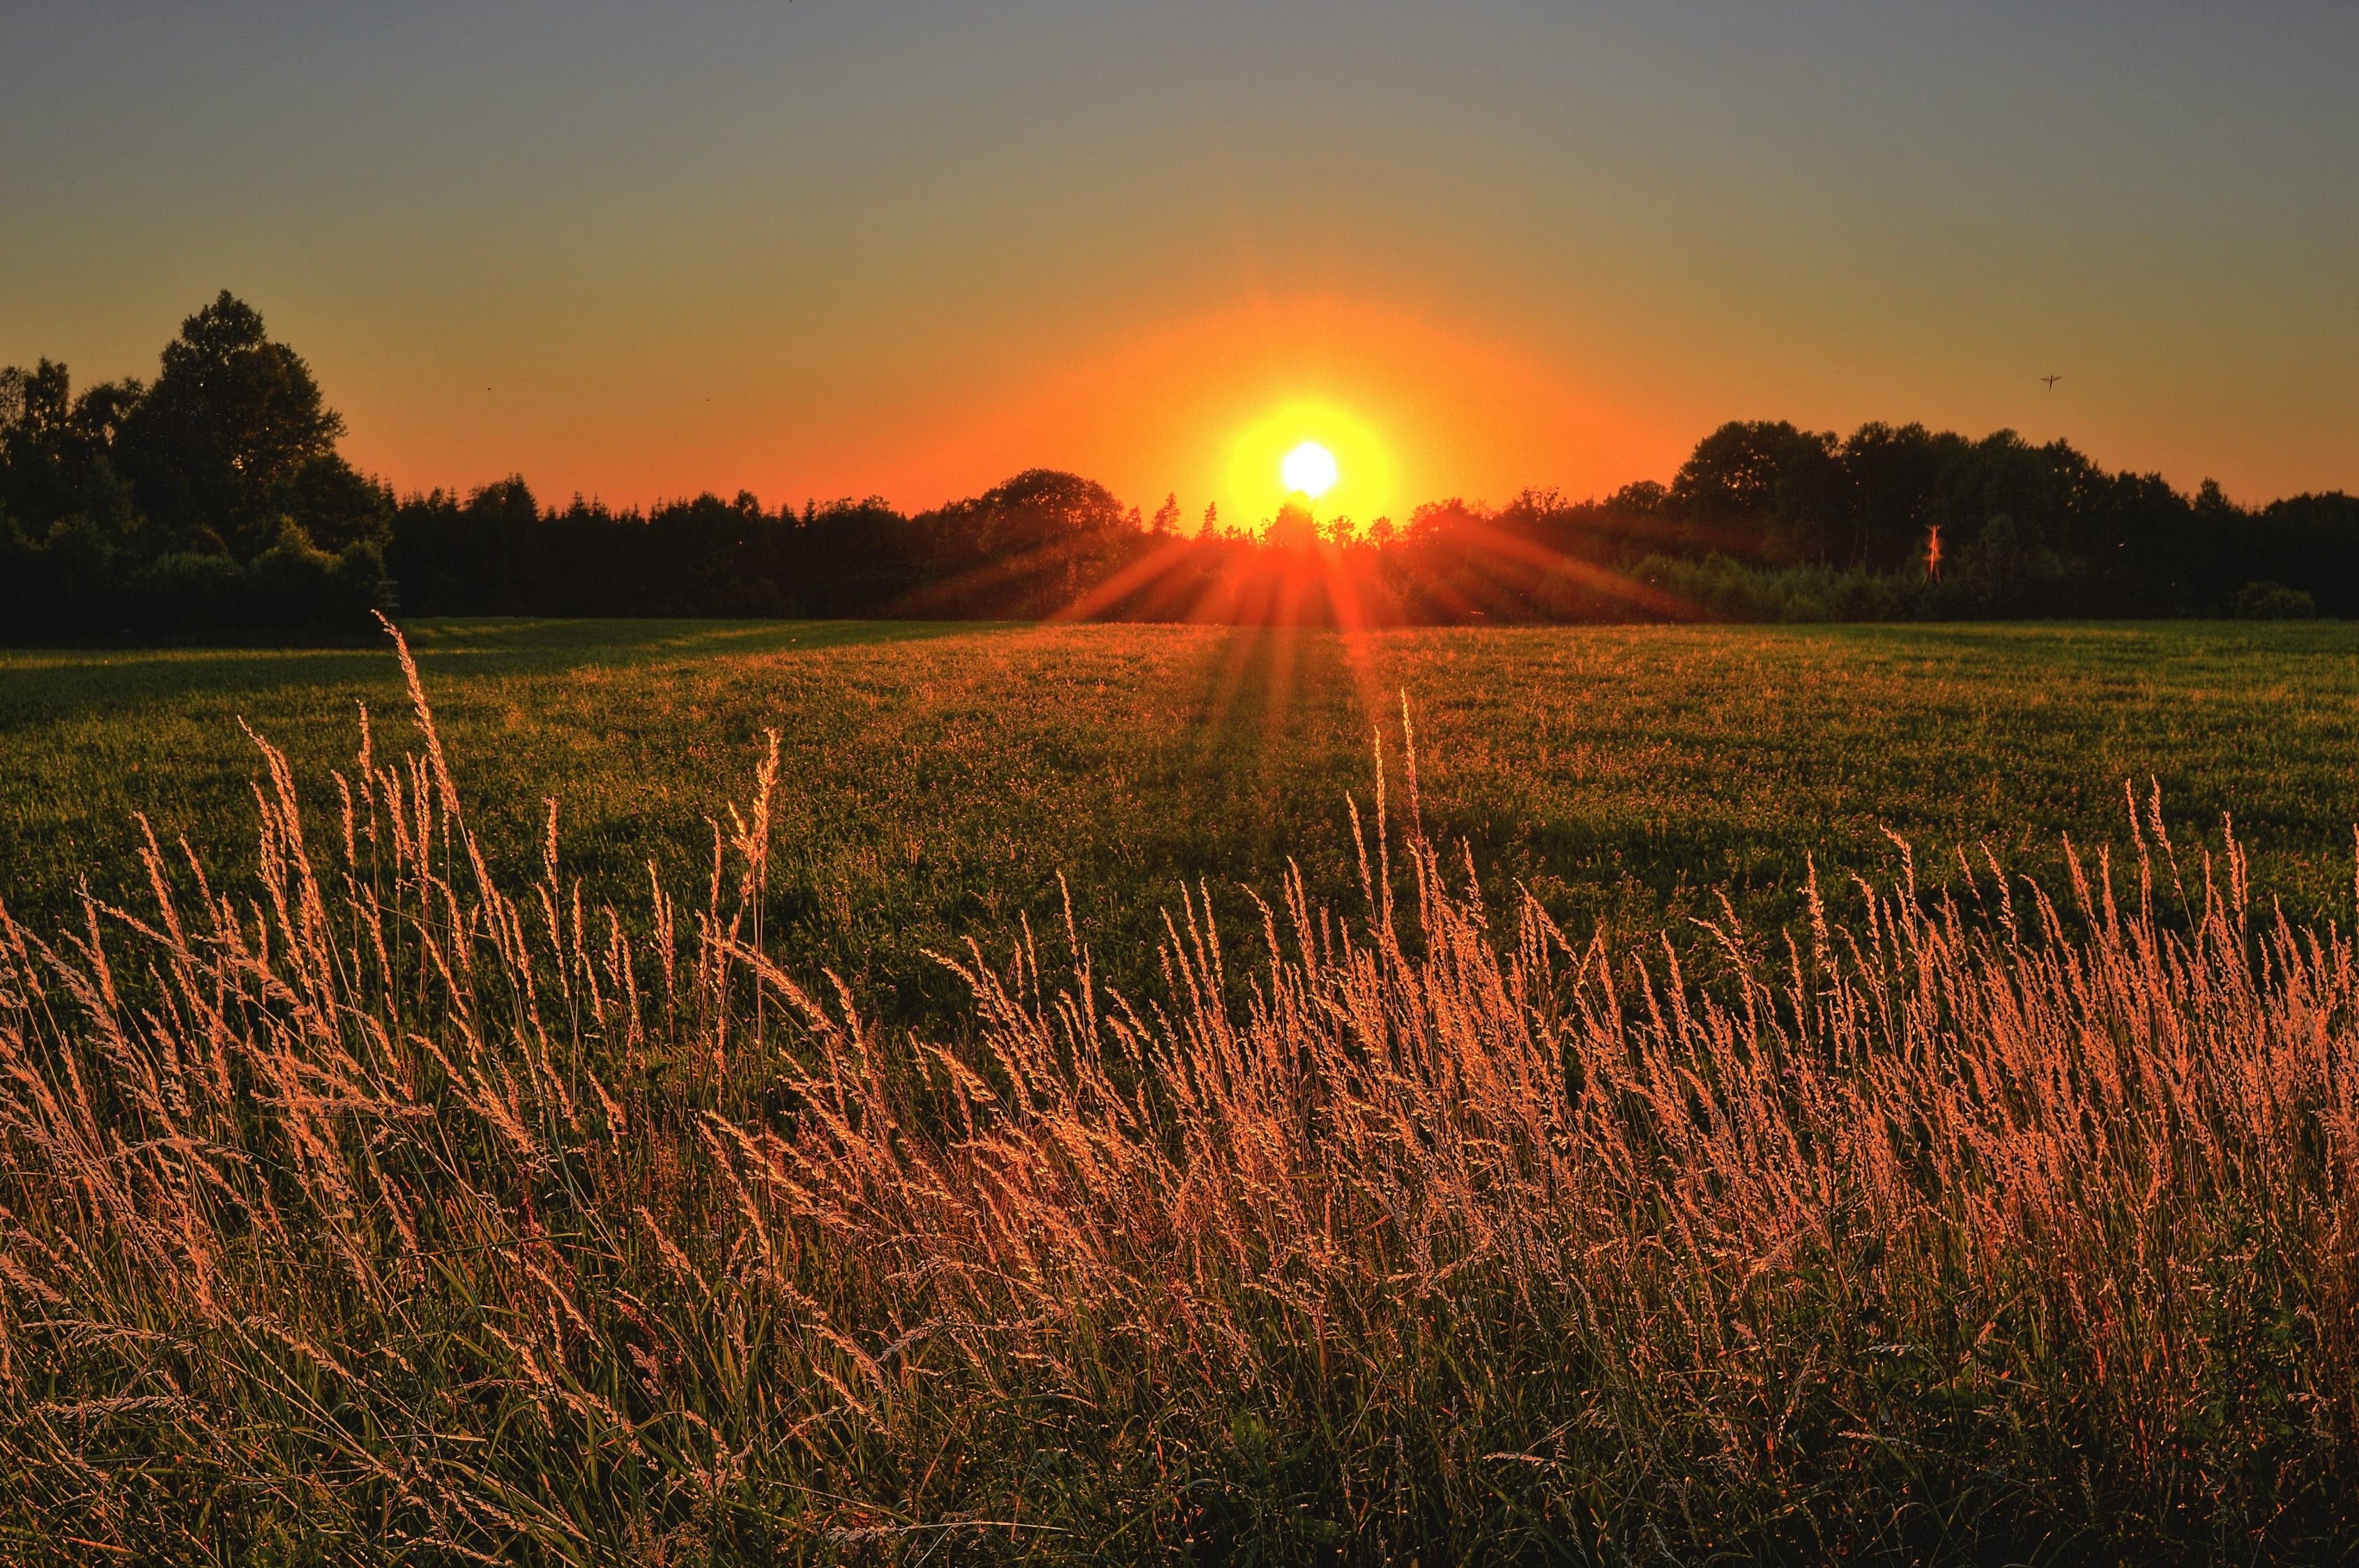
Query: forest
[{"x": 213, "y": 503}]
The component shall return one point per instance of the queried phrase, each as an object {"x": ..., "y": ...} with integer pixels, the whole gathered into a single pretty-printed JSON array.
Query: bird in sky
[{"x": 2051, "y": 381}]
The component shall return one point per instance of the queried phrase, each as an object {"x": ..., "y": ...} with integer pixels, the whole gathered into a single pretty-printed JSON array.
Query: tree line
[{"x": 212, "y": 501}]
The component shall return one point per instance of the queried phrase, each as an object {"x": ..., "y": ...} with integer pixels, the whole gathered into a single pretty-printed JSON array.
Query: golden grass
[{"x": 386, "y": 1212}]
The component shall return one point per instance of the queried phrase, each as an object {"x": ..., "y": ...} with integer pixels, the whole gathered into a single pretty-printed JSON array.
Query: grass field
[
  {"x": 937, "y": 779},
  {"x": 390, "y": 1198}
]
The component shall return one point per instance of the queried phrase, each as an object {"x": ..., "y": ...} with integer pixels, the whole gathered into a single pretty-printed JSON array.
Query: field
[
  {"x": 420, "y": 1188},
  {"x": 936, "y": 779}
]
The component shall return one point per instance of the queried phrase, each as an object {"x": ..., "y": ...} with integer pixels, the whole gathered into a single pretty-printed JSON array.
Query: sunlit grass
[
  {"x": 935, "y": 781},
  {"x": 400, "y": 1201}
]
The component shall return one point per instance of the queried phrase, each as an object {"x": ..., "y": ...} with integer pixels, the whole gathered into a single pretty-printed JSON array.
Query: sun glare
[
  {"x": 1309, "y": 469},
  {"x": 1310, "y": 450}
]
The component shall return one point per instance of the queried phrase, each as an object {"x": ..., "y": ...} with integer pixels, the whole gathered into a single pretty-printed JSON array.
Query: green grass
[
  {"x": 392, "y": 1212},
  {"x": 937, "y": 777}
]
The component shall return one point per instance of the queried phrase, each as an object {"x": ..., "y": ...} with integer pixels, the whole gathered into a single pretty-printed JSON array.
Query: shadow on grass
[{"x": 37, "y": 685}]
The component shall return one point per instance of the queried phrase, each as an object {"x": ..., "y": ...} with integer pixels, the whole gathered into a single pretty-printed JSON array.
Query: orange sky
[
  {"x": 908, "y": 249},
  {"x": 1204, "y": 406}
]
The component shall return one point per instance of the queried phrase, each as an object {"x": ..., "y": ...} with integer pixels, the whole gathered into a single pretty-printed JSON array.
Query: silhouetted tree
[
  {"x": 1293, "y": 528},
  {"x": 56, "y": 454},
  {"x": 1030, "y": 546},
  {"x": 336, "y": 505},
  {"x": 1766, "y": 491},
  {"x": 214, "y": 500},
  {"x": 1894, "y": 473},
  {"x": 215, "y": 448}
]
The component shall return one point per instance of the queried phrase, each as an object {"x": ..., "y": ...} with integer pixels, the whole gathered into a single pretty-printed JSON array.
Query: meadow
[
  {"x": 1404, "y": 1152},
  {"x": 937, "y": 780}
]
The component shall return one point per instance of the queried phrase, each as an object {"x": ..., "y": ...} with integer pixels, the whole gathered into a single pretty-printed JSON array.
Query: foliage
[
  {"x": 233, "y": 443},
  {"x": 2273, "y": 601},
  {"x": 1024, "y": 549},
  {"x": 210, "y": 500},
  {"x": 227, "y": 433}
]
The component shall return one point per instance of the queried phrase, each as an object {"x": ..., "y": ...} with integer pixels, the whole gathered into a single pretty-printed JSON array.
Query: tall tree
[
  {"x": 1763, "y": 490},
  {"x": 56, "y": 450},
  {"x": 216, "y": 445}
]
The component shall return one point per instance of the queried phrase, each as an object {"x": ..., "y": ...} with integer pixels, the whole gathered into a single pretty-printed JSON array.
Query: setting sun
[
  {"x": 1310, "y": 448},
  {"x": 1309, "y": 469}
]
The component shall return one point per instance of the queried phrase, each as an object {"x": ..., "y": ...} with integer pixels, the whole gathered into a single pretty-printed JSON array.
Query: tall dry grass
[{"x": 383, "y": 1211}]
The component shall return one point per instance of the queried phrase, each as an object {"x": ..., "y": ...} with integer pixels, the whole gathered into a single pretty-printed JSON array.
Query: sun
[
  {"x": 1309, "y": 469},
  {"x": 1309, "y": 452}
]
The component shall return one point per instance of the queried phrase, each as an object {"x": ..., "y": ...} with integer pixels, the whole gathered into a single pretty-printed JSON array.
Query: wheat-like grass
[{"x": 382, "y": 1212}]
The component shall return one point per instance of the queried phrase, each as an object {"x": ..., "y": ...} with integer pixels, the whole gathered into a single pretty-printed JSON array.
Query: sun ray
[
  {"x": 1137, "y": 577},
  {"x": 1347, "y": 604},
  {"x": 1588, "y": 574}
]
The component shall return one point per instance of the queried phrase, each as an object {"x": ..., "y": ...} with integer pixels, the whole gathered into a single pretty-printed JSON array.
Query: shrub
[
  {"x": 187, "y": 592},
  {"x": 2273, "y": 601},
  {"x": 296, "y": 584}
]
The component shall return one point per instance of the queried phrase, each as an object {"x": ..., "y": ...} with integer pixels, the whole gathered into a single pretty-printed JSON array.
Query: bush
[
  {"x": 294, "y": 584},
  {"x": 2272, "y": 602},
  {"x": 183, "y": 593}
]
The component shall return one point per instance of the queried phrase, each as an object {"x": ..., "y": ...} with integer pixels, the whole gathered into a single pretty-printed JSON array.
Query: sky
[{"x": 823, "y": 248}]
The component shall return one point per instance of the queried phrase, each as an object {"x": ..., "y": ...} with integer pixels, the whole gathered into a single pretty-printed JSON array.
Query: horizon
[
  {"x": 1301, "y": 782},
  {"x": 826, "y": 252},
  {"x": 1546, "y": 498}
]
